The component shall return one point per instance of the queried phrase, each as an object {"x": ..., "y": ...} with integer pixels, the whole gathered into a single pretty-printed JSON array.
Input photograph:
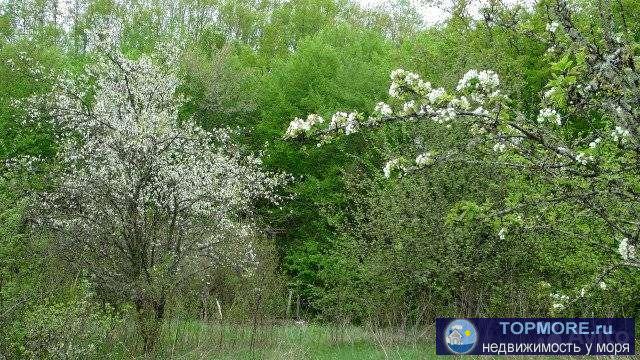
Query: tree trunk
[{"x": 150, "y": 314}]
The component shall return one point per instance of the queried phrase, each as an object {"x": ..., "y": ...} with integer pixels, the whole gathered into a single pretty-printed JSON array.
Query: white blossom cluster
[
  {"x": 549, "y": 115},
  {"x": 393, "y": 165},
  {"x": 383, "y": 109},
  {"x": 140, "y": 179},
  {"x": 424, "y": 159},
  {"x": 583, "y": 159},
  {"x": 347, "y": 121},
  {"x": 485, "y": 80},
  {"x": 478, "y": 94},
  {"x": 299, "y": 126},
  {"x": 400, "y": 165},
  {"x": 558, "y": 301},
  {"x": 478, "y": 91},
  {"x": 626, "y": 250},
  {"x": 552, "y": 27},
  {"x": 403, "y": 82},
  {"x": 619, "y": 133}
]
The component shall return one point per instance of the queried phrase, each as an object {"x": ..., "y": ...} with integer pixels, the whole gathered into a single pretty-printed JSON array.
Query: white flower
[
  {"x": 620, "y": 133},
  {"x": 583, "y": 159},
  {"x": 466, "y": 78},
  {"x": 338, "y": 120},
  {"x": 548, "y": 114},
  {"x": 412, "y": 79},
  {"x": 502, "y": 234},
  {"x": 296, "y": 127},
  {"x": 485, "y": 80},
  {"x": 424, "y": 159},
  {"x": 391, "y": 165},
  {"x": 435, "y": 95},
  {"x": 444, "y": 115},
  {"x": 409, "y": 108},
  {"x": 488, "y": 79},
  {"x": 626, "y": 250},
  {"x": 461, "y": 102},
  {"x": 299, "y": 126},
  {"x": 352, "y": 125},
  {"x": 553, "y": 26},
  {"x": 602, "y": 285},
  {"x": 383, "y": 109},
  {"x": 394, "y": 90},
  {"x": 499, "y": 147},
  {"x": 397, "y": 74},
  {"x": 594, "y": 143},
  {"x": 422, "y": 87},
  {"x": 313, "y": 119}
]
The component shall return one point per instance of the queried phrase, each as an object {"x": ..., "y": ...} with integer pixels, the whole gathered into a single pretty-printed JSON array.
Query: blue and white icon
[{"x": 461, "y": 336}]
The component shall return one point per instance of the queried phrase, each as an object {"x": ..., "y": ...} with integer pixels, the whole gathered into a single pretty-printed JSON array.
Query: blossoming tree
[
  {"x": 583, "y": 141},
  {"x": 145, "y": 199}
]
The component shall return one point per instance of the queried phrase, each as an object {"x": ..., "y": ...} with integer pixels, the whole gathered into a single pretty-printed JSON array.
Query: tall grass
[{"x": 192, "y": 339}]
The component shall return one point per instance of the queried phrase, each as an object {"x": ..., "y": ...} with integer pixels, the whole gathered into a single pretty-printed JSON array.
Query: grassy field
[{"x": 199, "y": 340}]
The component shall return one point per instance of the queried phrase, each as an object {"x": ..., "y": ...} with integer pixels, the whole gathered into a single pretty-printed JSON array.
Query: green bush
[{"x": 73, "y": 329}]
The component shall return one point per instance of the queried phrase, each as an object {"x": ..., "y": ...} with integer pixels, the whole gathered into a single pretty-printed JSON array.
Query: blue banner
[{"x": 535, "y": 336}]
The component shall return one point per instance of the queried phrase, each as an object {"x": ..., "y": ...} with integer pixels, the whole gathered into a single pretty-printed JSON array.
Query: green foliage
[
  {"x": 343, "y": 68},
  {"x": 73, "y": 329},
  {"x": 25, "y": 70}
]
